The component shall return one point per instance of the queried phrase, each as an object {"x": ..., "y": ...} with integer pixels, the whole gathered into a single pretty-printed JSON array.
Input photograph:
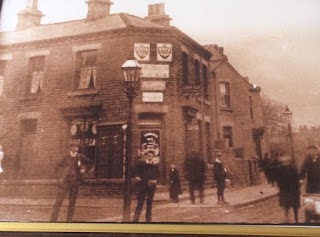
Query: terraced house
[{"x": 63, "y": 81}]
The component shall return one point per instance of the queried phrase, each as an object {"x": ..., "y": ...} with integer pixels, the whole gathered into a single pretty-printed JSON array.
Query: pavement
[{"x": 236, "y": 197}]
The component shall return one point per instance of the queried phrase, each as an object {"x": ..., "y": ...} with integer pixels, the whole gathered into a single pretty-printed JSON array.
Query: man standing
[
  {"x": 311, "y": 169},
  {"x": 219, "y": 175},
  {"x": 146, "y": 174},
  {"x": 195, "y": 169},
  {"x": 69, "y": 174}
]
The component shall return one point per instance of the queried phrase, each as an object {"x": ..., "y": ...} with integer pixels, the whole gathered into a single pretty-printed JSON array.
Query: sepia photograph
[{"x": 158, "y": 114}]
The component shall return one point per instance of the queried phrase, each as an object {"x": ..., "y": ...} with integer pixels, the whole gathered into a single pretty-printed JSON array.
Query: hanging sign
[
  {"x": 164, "y": 52},
  {"x": 142, "y": 51}
]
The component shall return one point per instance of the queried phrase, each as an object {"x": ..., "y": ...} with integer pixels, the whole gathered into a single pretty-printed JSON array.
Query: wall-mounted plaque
[
  {"x": 164, "y": 52},
  {"x": 152, "y": 97},
  {"x": 153, "y": 85},
  {"x": 154, "y": 71},
  {"x": 142, "y": 51}
]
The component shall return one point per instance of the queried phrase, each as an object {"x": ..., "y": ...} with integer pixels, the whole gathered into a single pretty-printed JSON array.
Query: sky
[{"x": 273, "y": 42}]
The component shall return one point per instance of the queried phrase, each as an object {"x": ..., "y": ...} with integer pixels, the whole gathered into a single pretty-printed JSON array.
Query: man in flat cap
[{"x": 69, "y": 173}]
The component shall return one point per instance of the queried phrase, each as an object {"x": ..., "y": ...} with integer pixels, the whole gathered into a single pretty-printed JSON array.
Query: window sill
[
  {"x": 226, "y": 109},
  {"x": 83, "y": 92}
]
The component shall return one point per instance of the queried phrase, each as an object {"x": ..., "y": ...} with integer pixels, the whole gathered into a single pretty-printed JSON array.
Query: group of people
[
  {"x": 71, "y": 170},
  {"x": 289, "y": 180}
]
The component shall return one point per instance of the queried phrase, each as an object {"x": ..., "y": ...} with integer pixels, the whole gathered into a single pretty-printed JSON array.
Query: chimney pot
[{"x": 156, "y": 14}]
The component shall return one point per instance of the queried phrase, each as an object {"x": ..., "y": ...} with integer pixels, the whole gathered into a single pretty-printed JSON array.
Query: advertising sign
[
  {"x": 154, "y": 71},
  {"x": 153, "y": 85},
  {"x": 152, "y": 97},
  {"x": 164, "y": 52},
  {"x": 150, "y": 141},
  {"x": 142, "y": 51}
]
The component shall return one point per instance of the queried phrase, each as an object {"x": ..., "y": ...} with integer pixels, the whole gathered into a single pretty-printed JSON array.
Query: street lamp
[
  {"x": 288, "y": 117},
  {"x": 131, "y": 74}
]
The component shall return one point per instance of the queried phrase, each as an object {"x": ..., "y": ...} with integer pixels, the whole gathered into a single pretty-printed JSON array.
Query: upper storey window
[
  {"x": 35, "y": 74},
  {"x": 185, "y": 68},
  {"x": 225, "y": 94},
  {"x": 87, "y": 69},
  {"x": 197, "y": 72},
  {"x": 205, "y": 81}
]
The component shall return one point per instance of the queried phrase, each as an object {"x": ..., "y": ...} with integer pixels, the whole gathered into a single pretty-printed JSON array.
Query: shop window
[
  {"x": 228, "y": 136},
  {"x": 197, "y": 72},
  {"x": 205, "y": 81},
  {"x": 35, "y": 74},
  {"x": 251, "y": 107},
  {"x": 185, "y": 68},
  {"x": 225, "y": 94},
  {"x": 29, "y": 126},
  {"x": 2, "y": 74},
  {"x": 86, "y": 70}
]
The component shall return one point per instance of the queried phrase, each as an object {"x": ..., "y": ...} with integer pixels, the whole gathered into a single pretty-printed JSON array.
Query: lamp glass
[
  {"x": 287, "y": 114},
  {"x": 131, "y": 70}
]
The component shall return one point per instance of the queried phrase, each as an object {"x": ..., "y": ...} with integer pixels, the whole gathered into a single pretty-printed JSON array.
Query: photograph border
[{"x": 181, "y": 228}]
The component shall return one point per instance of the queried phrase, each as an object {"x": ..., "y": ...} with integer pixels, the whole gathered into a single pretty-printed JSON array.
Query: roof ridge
[{"x": 125, "y": 18}]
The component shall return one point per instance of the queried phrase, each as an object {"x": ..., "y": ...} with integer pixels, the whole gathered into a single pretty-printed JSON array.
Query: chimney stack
[
  {"x": 156, "y": 14},
  {"x": 98, "y": 9},
  {"x": 30, "y": 16}
]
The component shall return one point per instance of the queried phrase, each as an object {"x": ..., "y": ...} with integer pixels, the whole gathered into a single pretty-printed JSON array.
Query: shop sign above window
[
  {"x": 192, "y": 89},
  {"x": 164, "y": 52},
  {"x": 142, "y": 51}
]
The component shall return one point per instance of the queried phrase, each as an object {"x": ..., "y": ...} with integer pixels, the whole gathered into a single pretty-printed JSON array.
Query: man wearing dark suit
[
  {"x": 69, "y": 174},
  {"x": 146, "y": 174}
]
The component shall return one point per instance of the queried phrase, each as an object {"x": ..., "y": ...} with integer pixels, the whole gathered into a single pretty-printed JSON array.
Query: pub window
[
  {"x": 86, "y": 70},
  {"x": 205, "y": 81},
  {"x": 36, "y": 74},
  {"x": 251, "y": 107},
  {"x": 2, "y": 74},
  {"x": 197, "y": 72},
  {"x": 185, "y": 68},
  {"x": 29, "y": 126},
  {"x": 228, "y": 136},
  {"x": 225, "y": 94}
]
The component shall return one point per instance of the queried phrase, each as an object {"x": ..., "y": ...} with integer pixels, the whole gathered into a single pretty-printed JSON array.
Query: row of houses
[{"x": 63, "y": 81}]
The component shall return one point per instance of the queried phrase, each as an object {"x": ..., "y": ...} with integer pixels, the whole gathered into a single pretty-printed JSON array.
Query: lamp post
[
  {"x": 131, "y": 74},
  {"x": 288, "y": 117}
]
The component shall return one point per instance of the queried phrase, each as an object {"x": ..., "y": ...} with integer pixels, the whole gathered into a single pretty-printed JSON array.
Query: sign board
[
  {"x": 142, "y": 51},
  {"x": 150, "y": 141},
  {"x": 192, "y": 89},
  {"x": 164, "y": 52},
  {"x": 153, "y": 85},
  {"x": 154, "y": 71},
  {"x": 152, "y": 97}
]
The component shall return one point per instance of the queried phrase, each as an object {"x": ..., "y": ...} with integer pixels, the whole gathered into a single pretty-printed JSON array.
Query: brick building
[
  {"x": 63, "y": 81},
  {"x": 238, "y": 118}
]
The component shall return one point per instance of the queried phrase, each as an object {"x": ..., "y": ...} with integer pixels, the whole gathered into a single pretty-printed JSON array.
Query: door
[{"x": 110, "y": 153}]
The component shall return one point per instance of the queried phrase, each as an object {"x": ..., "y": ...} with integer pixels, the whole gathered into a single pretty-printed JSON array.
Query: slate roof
[{"x": 77, "y": 27}]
